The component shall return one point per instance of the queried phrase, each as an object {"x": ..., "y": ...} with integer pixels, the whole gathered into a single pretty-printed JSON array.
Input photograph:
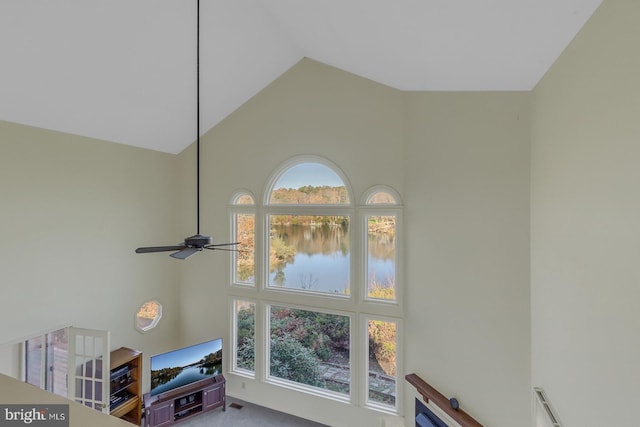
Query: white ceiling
[{"x": 124, "y": 70}]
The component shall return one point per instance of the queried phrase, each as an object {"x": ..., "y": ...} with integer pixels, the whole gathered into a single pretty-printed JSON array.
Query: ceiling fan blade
[
  {"x": 185, "y": 253},
  {"x": 224, "y": 249},
  {"x": 159, "y": 249},
  {"x": 221, "y": 244}
]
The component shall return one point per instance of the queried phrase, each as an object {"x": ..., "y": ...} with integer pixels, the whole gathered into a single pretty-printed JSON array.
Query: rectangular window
[
  {"x": 381, "y": 363},
  {"x": 245, "y": 231},
  {"x": 310, "y": 348},
  {"x": 381, "y": 257},
  {"x": 34, "y": 360},
  {"x": 310, "y": 253},
  {"x": 245, "y": 332},
  {"x": 46, "y": 361}
]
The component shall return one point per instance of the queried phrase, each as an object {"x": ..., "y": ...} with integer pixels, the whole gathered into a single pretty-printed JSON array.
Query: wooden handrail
[{"x": 438, "y": 399}]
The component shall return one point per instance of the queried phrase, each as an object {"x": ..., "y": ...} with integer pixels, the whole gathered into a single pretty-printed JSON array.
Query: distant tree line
[{"x": 308, "y": 194}]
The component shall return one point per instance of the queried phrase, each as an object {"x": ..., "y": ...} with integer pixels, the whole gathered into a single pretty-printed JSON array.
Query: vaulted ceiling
[{"x": 124, "y": 71}]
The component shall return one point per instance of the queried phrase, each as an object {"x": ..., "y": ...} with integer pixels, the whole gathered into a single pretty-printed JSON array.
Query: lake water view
[{"x": 322, "y": 258}]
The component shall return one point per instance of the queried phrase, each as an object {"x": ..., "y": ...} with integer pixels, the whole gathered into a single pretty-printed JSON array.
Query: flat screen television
[{"x": 185, "y": 366}]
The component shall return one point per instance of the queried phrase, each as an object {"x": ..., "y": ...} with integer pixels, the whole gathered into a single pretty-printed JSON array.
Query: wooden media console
[{"x": 173, "y": 406}]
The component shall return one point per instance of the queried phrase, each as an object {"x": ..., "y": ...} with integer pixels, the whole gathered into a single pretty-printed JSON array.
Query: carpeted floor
[{"x": 245, "y": 414}]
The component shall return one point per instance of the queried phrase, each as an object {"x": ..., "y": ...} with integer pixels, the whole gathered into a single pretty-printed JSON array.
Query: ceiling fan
[{"x": 197, "y": 242}]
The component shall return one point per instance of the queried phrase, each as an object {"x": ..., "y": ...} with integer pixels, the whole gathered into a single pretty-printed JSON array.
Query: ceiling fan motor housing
[{"x": 198, "y": 241}]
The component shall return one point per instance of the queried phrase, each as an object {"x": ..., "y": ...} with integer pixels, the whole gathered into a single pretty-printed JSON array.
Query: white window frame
[
  {"x": 356, "y": 305},
  {"x": 367, "y": 402},
  {"x": 154, "y": 322},
  {"x": 44, "y": 365},
  {"x": 380, "y": 189},
  {"x": 243, "y": 209},
  {"x": 366, "y": 210},
  {"x": 341, "y": 397},
  {"x": 312, "y": 210},
  {"x": 234, "y": 338},
  {"x": 294, "y": 161},
  {"x": 365, "y": 213}
]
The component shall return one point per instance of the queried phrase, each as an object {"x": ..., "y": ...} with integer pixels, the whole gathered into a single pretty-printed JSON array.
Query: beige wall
[
  {"x": 585, "y": 229},
  {"x": 460, "y": 162},
  {"x": 72, "y": 212},
  {"x": 467, "y": 216}
]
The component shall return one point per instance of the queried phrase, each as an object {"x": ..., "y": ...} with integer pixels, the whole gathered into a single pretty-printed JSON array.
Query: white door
[{"x": 88, "y": 368}]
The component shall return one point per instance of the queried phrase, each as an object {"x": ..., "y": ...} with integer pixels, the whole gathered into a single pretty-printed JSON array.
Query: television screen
[{"x": 185, "y": 366}]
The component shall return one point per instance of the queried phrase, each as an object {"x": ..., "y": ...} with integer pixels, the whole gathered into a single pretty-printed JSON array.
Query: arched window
[
  {"x": 318, "y": 290},
  {"x": 243, "y": 199},
  {"x": 380, "y": 197},
  {"x": 308, "y": 216},
  {"x": 308, "y": 183}
]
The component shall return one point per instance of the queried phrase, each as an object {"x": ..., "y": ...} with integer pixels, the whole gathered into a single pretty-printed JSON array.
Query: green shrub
[
  {"x": 246, "y": 324},
  {"x": 246, "y": 355},
  {"x": 292, "y": 361},
  {"x": 326, "y": 334}
]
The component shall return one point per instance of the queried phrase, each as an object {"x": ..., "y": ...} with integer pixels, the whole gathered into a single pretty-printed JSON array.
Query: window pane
[
  {"x": 309, "y": 183},
  {"x": 34, "y": 362},
  {"x": 244, "y": 199},
  {"x": 310, "y": 347},
  {"x": 245, "y": 260},
  {"x": 47, "y": 369},
  {"x": 382, "y": 362},
  {"x": 148, "y": 316},
  {"x": 381, "y": 198},
  {"x": 381, "y": 257},
  {"x": 245, "y": 335},
  {"x": 309, "y": 253},
  {"x": 89, "y": 347},
  {"x": 57, "y": 362}
]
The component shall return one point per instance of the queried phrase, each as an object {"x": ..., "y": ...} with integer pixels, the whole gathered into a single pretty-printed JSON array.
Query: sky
[
  {"x": 185, "y": 356},
  {"x": 308, "y": 174}
]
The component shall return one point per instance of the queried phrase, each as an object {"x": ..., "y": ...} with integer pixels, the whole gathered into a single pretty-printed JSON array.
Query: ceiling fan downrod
[{"x": 197, "y": 242}]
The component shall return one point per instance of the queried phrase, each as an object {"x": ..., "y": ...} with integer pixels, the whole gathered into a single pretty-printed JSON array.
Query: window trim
[
  {"x": 300, "y": 159},
  {"x": 380, "y": 210},
  {"x": 366, "y": 402},
  {"x": 357, "y": 306},
  {"x": 305, "y": 210},
  {"x": 292, "y": 385},
  {"x": 233, "y": 212},
  {"x": 241, "y": 193},
  {"x": 154, "y": 322},
  {"x": 234, "y": 338},
  {"x": 234, "y": 209},
  {"x": 44, "y": 362},
  {"x": 364, "y": 200}
]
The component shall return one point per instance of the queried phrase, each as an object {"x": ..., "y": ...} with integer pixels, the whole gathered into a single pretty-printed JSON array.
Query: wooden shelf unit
[
  {"x": 126, "y": 385},
  {"x": 173, "y": 406}
]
